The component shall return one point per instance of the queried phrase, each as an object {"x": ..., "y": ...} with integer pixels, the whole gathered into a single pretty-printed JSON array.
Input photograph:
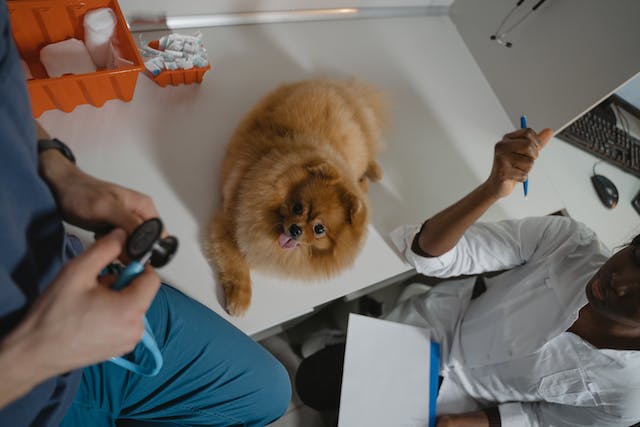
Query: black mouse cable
[{"x": 594, "y": 166}]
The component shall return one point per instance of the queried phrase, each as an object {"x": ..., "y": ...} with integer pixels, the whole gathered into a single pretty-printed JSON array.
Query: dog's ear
[
  {"x": 356, "y": 209},
  {"x": 324, "y": 170}
]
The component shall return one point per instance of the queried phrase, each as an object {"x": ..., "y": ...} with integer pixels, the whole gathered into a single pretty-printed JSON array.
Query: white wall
[{"x": 566, "y": 56}]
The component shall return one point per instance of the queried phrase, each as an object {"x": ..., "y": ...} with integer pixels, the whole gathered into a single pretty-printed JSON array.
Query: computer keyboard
[{"x": 599, "y": 136}]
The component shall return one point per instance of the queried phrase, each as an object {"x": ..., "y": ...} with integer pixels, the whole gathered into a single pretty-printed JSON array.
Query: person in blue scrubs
[{"x": 60, "y": 321}]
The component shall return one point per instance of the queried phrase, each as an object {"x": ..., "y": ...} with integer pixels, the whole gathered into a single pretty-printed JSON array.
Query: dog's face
[
  {"x": 300, "y": 218},
  {"x": 320, "y": 216}
]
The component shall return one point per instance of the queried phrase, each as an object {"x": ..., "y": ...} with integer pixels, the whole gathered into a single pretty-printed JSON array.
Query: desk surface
[{"x": 169, "y": 143}]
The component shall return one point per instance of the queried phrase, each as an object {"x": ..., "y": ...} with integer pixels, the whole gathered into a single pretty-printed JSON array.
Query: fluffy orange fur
[{"x": 294, "y": 180}]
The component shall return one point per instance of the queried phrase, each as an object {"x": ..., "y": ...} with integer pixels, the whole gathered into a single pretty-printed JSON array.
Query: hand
[
  {"x": 79, "y": 320},
  {"x": 513, "y": 158},
  {"x": 91, "y": 203},
  {"x": 469, "y": 419}
]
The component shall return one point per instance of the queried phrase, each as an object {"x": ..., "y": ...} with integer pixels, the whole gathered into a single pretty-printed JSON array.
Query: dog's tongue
[{"x": 286, "y": 242}]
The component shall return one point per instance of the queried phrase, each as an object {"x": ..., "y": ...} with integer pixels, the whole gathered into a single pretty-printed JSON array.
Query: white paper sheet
[{"x": 387, "y": 375}]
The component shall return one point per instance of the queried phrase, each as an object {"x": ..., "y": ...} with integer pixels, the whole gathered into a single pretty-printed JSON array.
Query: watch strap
[
  {"x": 56, "y": 144},
  {"x": 493, "y": 415}
]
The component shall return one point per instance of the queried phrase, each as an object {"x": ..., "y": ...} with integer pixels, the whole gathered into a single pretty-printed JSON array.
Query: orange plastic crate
[
  {"x": 177, "y": 77},
  {"x": 37, "y": 23}
]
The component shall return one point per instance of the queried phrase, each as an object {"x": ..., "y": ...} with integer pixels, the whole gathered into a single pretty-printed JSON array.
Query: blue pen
[{"x": 525, "y": 184}]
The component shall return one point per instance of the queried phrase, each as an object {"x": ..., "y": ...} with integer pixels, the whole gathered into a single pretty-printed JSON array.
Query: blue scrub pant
[{"x": 213, "y": 375}]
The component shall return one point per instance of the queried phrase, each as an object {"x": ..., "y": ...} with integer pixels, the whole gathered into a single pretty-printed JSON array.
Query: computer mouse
[{"x": 607, "y": 191}]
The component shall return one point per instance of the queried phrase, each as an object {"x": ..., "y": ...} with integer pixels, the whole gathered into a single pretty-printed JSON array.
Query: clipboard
[{"x": 390, "y": 375}]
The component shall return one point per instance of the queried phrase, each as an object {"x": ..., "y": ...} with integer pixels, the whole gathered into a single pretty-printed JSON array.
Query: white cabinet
[{"x": 566, "y": 56}]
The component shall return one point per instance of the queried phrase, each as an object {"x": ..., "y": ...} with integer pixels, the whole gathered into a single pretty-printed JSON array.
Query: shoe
[{"x": 318, "y": 380}]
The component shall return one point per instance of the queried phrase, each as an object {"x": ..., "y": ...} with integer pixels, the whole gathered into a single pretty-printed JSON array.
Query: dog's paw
[
  {"x": 374, "y": 171},
  {"x": 238, "y": 299}
]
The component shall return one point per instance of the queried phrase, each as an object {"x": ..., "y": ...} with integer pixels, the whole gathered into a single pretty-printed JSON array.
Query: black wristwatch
[{"x": 56, "y": 144}]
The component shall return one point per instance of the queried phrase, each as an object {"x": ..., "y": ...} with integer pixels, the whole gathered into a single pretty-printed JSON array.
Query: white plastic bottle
[{"x": 99, "y": 26}]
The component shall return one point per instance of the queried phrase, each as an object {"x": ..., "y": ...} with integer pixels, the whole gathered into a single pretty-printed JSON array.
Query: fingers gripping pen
[
  {"x": 144, "y": 245},
  {"x": 525, "y": 184}
]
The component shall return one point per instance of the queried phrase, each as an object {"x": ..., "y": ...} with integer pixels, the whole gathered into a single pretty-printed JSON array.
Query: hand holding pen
[
  {"x": 514, "y": 157},
  {"x": 525, "y": 184}
]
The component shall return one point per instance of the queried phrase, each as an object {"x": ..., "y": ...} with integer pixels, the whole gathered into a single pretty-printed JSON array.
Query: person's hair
[{"x": 635, "y": 241}]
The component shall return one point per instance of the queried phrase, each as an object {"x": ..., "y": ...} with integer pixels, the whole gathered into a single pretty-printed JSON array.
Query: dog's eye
[
  {"x": 318, "y": 229},
  {"x": 298, "y": 209}
]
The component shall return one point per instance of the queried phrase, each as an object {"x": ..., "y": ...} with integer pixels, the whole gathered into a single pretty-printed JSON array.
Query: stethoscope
[{"x": 145, "y": 245}]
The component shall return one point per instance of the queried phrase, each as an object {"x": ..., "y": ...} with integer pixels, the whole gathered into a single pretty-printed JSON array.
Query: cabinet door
[{"x": 565, "y": 57}]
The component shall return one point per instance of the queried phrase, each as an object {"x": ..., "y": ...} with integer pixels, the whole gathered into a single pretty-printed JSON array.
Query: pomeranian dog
[{"x": 294, "y": 180}]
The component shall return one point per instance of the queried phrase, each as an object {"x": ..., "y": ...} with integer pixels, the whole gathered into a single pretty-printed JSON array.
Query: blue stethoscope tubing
[{"x": 134, "y": 269}]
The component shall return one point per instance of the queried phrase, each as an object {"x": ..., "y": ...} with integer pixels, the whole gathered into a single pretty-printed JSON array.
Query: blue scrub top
[{"x": 33, "y": 246}]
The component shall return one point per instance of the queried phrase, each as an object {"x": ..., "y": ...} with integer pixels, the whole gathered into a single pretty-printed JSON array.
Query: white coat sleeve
[
  {"x": 495, "y": 246},
  {"x": 545, "y": 414}
]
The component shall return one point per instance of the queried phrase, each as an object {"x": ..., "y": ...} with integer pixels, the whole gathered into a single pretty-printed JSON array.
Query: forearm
[
  {"x": 20, "y": 371},
  {"x": 513, "y": 158},
  {"x": 468, "y": 419},
  {"x": 53, "y": 167},
  {"x": 41, "y": 132},
  {"x": 442, "y": 231}
]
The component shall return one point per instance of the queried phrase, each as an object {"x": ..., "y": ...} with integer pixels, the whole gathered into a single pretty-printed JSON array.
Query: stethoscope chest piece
[
  {"x": 143, "y": 238},
  {"x": 146, "y": 243},
  {"x": 163, "y": 251}
]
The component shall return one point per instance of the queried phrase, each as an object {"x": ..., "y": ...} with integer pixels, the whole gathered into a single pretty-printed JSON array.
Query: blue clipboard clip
[
  {"x": 145, "y": 245},
  {"x": 525, "y": 183}
]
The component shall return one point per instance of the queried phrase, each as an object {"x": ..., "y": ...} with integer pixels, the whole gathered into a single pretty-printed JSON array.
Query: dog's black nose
[{"x": 295, "y": 231}]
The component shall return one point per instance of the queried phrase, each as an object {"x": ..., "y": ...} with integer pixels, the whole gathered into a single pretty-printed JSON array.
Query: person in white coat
[{"x": 555, "y": 339}]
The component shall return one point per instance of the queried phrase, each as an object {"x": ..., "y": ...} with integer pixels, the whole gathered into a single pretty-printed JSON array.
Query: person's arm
[
  {"x": 624, "y": 412},
  {"x": 88, "y": 202},
  {"x": 514, "y": 156},
  {"x": 76, "y": 322},
  {"x": 79, "y": 320},
  {"x": 41, "y": 133},
  {"x": 20, "y": 372},
  {"x": 620, "y": 411},
  {"x": 469, "y": 419}
]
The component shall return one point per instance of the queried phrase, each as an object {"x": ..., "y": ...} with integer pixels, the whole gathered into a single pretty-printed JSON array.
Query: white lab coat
[{"x": 509, "y": 347}]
